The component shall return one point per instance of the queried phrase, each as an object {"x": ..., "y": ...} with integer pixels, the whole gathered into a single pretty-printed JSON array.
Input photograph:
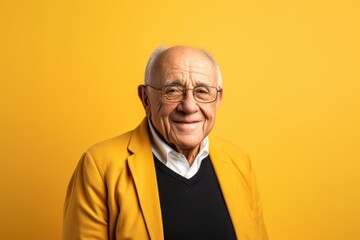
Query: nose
[{"x": 188, "y": 104}]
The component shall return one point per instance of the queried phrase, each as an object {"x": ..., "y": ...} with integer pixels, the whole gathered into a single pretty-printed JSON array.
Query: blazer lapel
[
  {"x": 142, "y": 168},
  {"x": 235, "y": 198}
]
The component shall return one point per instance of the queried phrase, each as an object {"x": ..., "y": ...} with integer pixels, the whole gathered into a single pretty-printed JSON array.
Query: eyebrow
[
  {"x": 178, "y": 82},
  {"x": 173, "y": 82}
]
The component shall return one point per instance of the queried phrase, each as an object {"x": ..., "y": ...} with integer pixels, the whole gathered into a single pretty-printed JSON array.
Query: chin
[{"x": 188, "y": 143}]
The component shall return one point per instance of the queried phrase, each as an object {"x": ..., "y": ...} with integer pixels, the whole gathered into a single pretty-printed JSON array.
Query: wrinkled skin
[{"x": 182, "y": 125}]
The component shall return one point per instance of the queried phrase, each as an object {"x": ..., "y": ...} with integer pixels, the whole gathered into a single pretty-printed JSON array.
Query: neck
[{"x": 189, "y": 153}]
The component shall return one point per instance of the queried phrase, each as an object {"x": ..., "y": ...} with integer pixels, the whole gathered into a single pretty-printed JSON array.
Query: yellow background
[{"x": 69, "y": 72}]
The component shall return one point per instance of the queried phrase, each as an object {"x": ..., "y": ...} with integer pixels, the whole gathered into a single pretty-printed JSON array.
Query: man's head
[{"x": 183, "y": 118}]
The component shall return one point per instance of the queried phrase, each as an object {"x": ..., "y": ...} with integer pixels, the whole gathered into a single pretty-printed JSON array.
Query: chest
[{"x": 193, "y": 208}]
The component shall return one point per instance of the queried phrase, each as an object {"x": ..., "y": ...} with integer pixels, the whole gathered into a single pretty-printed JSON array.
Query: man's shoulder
[
  {"x": 114, "y": 152},
  {"x": 109, "y": 154},
  {"x": 227, "y": 146},
  {"x": 230, "y": 151},
  {"x": 111, "y": 146}
]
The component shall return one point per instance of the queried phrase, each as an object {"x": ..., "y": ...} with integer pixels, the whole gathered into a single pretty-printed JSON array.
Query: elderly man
[{"x": 167, "y": 179}]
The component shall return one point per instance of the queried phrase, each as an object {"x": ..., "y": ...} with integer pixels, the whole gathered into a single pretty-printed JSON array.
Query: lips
[
  {"x": 186, "y": 121},
  {"x": 187, "y": 125}
]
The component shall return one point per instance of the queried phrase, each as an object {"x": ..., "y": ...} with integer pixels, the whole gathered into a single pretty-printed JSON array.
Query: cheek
[
  {"x": 156, "y": 108},
  {"x": 164, "y": 111},
  {"x": 209, "y": 112},
  {"x": 161, "y": 115}
]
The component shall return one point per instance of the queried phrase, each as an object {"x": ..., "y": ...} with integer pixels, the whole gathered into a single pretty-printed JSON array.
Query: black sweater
[{"x": 193, "y": 208}]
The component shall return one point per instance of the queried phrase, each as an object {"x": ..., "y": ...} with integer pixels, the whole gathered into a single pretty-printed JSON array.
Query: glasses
[{"x": 176, "y": 93}]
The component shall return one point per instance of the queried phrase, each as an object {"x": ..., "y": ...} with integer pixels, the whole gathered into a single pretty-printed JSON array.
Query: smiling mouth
[{"x": 186, "y": 122}]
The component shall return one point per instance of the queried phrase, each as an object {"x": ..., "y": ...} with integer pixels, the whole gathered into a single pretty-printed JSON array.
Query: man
[{"x": 167, "y": 179}]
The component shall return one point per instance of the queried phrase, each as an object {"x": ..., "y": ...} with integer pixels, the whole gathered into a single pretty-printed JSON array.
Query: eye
[
  {"x": 202, "y": 90},
  {"x": 172, "y": 90}
]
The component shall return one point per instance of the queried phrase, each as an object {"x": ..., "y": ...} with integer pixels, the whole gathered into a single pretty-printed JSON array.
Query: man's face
[{"x": 184, "y": 124}]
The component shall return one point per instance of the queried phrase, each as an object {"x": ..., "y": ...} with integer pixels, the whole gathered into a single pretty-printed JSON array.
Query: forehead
[{"x": 185, "y": 66}]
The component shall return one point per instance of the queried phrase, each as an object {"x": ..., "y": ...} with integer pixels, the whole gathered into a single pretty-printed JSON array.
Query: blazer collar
[
  {"x": 142, "y": 167},
  {"x": 228, "y": 177}
]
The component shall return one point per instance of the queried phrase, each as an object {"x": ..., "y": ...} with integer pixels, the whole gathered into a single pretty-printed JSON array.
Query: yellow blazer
[{"x": 113, "y": 192}]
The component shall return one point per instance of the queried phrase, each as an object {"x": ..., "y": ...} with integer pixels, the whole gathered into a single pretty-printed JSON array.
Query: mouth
[{"x": 187, "y": 123}]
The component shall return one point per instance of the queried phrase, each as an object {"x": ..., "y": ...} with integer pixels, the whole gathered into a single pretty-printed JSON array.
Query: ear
[
  {"x": 144, "y": 98},
  {"x": 219, "y": 98}
]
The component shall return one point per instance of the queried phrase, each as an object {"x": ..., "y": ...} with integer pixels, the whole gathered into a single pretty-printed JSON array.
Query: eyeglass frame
[{"x": 184, "y": 92}]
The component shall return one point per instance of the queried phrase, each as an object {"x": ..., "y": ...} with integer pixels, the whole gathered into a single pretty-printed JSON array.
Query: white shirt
[{"x": 175, "y": 160}]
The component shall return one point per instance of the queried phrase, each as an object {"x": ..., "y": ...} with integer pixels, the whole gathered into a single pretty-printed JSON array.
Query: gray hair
[{"x": 157, "y": 52}]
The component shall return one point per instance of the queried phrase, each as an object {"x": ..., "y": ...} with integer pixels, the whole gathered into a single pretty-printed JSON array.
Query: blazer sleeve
[
  {"x": 257, "y": 208},
  {"x": 85, "y": 209}
]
